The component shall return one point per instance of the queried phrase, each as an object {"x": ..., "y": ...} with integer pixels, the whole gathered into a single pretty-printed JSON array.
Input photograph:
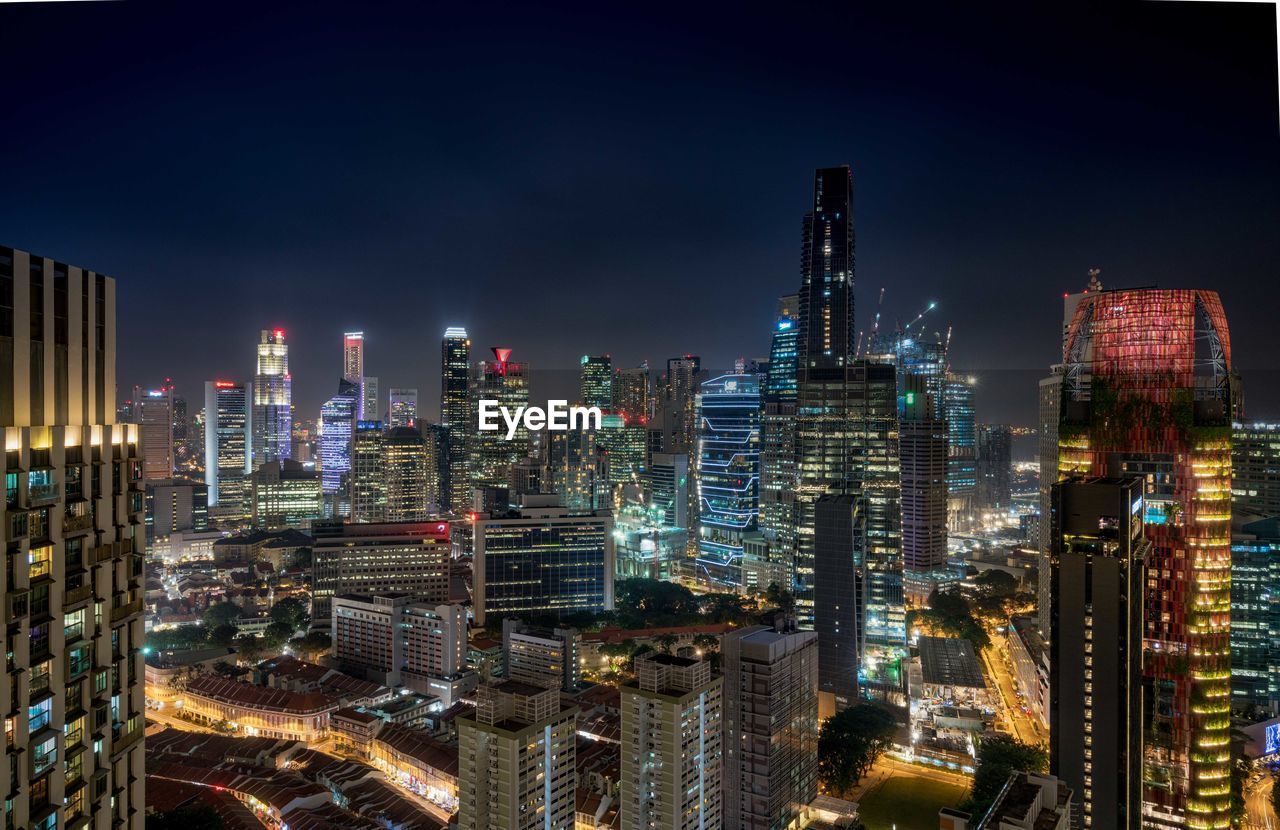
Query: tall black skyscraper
[
  {"x": 455, "y": 409},
  {"x": 1095, "y": 686},
  {"x": 827, "y": 336}
]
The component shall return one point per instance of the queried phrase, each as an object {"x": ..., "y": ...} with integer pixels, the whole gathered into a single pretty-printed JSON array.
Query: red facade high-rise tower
[{"x": 1147, "y": 392}]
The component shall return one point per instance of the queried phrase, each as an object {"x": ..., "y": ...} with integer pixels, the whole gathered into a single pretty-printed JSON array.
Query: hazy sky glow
[{"x": 572, "y": 179}]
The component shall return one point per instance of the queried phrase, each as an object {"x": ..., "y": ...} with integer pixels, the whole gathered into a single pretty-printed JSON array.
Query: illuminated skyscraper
[
  {"x": 412, "y": 488},
  {"x": 1147, "y": 391},
  {"x": 490, "y": 453},
  {"x": 596, "y": 381},
  {"x": 228, "y": 438},
  {"x": 923, "y": 450},
  {"x": 337, "y": 424},
  {"x": 667, "y": 486},
  {"x": 846, "y": 425},
  {"x": 353, "y": 356},
  {"x": 680, "y": 394},
  {"x": 962, "y": 450},
  {"x": 574, "y": 468},
  {"x": 995, "y": 466},
  {"x": 624, "y": 443},
  {"x": 728, "y": 474},
  {"x": 631, "y": 394},
  {"x": 455, "y": 416},
  {"x": 368, "y": 408},
  {"x": 153, "y": 411},
  {"x": 1255, "y": 468},
  {"x": 272, "y": 400},
  {"x": 774, "y": 553},
  {"x": 368, "y": 473},
  {"x": 1255, "y": 617},
  {"x": 781, "y": 382},
  {"x": 402, "y": 408},
  {"x": 73, "y": 585}
]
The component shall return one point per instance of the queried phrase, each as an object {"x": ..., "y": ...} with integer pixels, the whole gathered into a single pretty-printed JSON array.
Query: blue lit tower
[
  {"x": 773, "y": 553},
  {"x": 337, "y": 424},
  {"x": 962, "y": 450},
  {"x": 728, "y": 473},
  {"x": 781, "y": 382}
]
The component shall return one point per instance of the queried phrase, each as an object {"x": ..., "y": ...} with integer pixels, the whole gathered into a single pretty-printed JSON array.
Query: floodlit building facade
[{"x": 73, "y": 521}]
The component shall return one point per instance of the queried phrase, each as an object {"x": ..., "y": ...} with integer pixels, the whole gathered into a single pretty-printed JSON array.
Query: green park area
[{"x": 907, "y": 803}]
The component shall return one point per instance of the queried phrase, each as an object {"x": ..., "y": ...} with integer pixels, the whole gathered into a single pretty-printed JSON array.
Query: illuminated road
[
  {"x": 1013, "y": 720},
  {"x": 1259, "y": 814}
]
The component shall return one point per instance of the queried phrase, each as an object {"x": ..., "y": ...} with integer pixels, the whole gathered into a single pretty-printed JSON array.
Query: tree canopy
[
  {"x": 292, "y": 611},
  {"x": 850, "y": 743},
  {"x": 221, "y": 613},
  {"x": 999, "y": 756}
]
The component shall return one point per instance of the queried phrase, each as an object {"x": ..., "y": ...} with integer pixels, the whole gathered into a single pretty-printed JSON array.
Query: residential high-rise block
[
  {"x": 368, "y": 473},
  {"x": 73, "y": 520},
  {"x": 228, "y": 440},
  {"x": 771, "y": 725},
  {"x": 455, "y": 416},
  {"x": 491, "y": 454},
  {"x": 1095, "y": 680},
  {"x": 995, "y": 466},
  {"x": 1255, "y": 617},
  {"x": 672, "y": 745},
  {"x": 1255, "y": 468},
  {"x": 402, "y": 408},
  {"x": 542, "y": 559},
  {"x": 728, "y": 474},
  {"x": 1147, "y": 391},
  {"x": 596, "y": 381},
  {"x": 272, "y": 400},
  {"x": 396, "y": 557},
  {"x": 517, "y": 756},
  {"x": 539, "y": 656},
  {"x": 395, "y": 640}
]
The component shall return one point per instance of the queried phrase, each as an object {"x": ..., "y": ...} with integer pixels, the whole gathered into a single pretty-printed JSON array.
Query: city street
[
  {"x": 1012, "y": 719},
  {"x": 1259, "y": 814}
]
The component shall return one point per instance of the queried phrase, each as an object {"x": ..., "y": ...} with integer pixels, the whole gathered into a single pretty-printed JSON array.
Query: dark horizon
[{"x": 568, "y": 181}]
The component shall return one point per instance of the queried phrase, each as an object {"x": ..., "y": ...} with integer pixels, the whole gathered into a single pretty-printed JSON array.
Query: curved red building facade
[{"x": 1147, "y": 392}]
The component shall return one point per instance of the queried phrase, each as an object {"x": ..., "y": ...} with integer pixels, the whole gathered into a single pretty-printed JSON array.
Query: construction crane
[{"x": 930, "y": 307}]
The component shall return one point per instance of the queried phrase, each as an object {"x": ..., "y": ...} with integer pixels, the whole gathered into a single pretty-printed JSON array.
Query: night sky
[{"x": 630, "y": 178}]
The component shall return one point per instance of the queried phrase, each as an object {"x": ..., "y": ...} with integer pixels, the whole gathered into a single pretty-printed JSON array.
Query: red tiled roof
[{"x": 239, "y": 693}]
